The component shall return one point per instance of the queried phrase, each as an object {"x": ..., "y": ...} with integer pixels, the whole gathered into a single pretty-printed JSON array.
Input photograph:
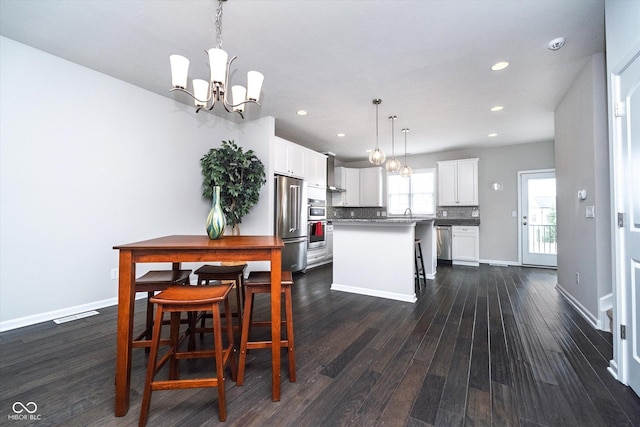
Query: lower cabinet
[{"x": 465, "y": 245}]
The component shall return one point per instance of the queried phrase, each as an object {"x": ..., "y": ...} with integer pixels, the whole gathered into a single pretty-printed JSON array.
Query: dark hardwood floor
[{"x": 482, "y": 346}]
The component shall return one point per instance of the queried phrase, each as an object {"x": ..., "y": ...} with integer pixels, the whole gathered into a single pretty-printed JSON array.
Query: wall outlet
[
  {"x": 514, "y": 214},
  {"x": 114, "y": 273},
  {"x": 590, "y": 212},
  {"x": 475, "y": 214},
  {"x": 577, "y": 278},
  {"x": 352, "y": 213},
  {"x": 444, "y": 213},
  {"x": 378, "y": 213}
]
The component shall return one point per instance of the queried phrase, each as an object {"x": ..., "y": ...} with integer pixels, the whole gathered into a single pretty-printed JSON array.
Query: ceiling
[{"x": 428, "y": 60}]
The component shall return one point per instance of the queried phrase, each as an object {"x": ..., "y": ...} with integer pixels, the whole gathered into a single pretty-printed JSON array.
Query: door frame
[
  {"x": 620, "y": 366},
  {"x": 519, "y": 218}
]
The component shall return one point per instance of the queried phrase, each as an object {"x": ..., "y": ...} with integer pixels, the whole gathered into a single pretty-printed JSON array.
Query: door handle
[{"x": 524, "y": 223}]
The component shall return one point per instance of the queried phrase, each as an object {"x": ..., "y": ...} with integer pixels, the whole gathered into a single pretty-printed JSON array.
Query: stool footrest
[{"x": 180, "y": 384}]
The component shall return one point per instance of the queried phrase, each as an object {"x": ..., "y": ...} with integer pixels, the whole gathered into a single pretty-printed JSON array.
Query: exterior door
[
  {"x": 627, "y": 145},
  {"x": 538, "y": 218}
]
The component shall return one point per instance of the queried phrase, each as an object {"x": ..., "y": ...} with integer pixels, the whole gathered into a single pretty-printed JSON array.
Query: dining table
[{"x": 177, "y": 249}]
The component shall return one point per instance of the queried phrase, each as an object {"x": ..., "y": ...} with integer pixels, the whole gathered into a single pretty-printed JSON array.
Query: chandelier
[
  {"x": 393, "y": 165},
  {"x": 405, "y": 171},
  {"x": 377, "y": 156},
  {"x": 206, "y": 93}
]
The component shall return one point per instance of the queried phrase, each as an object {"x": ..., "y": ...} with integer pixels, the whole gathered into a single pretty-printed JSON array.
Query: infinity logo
[{"x": 30, "y": 407}]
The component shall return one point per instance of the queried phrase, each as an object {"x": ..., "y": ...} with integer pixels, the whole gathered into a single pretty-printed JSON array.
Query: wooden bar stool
[
  {"x": 259, "y": 282},
  {"x": 151, "y": 282},
  {"x": 190, "y": 298},
  {"x": 219, "y": 274},
  {"x": 419, "y": 261}
]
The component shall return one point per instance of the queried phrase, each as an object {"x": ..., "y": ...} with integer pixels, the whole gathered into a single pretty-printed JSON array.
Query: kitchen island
[{"x": 376, "y": 256}]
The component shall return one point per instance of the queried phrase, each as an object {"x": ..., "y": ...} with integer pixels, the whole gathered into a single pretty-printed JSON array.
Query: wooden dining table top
[{"x": 203, "y": 242}]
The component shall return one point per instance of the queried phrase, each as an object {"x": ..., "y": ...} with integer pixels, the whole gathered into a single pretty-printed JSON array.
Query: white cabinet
[
  {"x": 465, "y": 245},
  {"x": 315, "y": 169},
  {"x": 371, "y": 187},
  {"x": 288, "y": 158},
  {"x": 363, "y": 187},
  {"x": 458, "y": 183},
  {"x": 349, "y": 180}
]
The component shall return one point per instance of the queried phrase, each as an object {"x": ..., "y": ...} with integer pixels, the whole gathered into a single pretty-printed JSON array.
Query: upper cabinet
[
  {"x": 288, "y": 158},
  {"x": 458, "y": 182},
  {"x": 363, "y": 187},
  {"x": 371, "y": 187},
  {"x": 315, "y": 169}
]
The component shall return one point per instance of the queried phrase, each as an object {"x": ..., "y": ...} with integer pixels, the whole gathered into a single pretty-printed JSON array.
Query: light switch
[
  {"x": 514, "y": 214},
  {"x": 591, "y": 211}
]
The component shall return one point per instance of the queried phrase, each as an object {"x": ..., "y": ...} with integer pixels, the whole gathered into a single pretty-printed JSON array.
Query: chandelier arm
[{"x": 193, "y": 96}]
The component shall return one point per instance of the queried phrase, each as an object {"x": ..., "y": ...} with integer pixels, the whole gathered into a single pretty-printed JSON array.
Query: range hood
[{"x": 331, "y": 177}]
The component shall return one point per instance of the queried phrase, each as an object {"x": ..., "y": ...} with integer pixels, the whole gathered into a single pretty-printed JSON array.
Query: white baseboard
[
  {"x": 499, "y": 263},
  {"x": 8, "y": 325},
  {"x": 374, "y": 293},
  {"x": 589, "y": 317},
  {"x": 605, "y": 303}
]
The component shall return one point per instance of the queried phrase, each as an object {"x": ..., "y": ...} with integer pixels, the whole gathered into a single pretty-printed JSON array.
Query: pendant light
[
  {"x": 393, "y": 164},
  {"x": 377, "y": 156},
  {"x": 405, "y": 171}
]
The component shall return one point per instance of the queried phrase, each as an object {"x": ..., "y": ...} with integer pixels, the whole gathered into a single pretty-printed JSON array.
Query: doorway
[{"x": 538, "y": 231}]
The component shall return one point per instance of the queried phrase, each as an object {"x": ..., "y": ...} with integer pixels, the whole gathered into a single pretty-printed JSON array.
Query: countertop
[
  {"x": 457, "y": 221},
  {"x": 382, "y": 220}
]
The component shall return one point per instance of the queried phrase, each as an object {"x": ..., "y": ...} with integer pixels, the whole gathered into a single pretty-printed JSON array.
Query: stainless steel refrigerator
[{"x": 291, "y": 222}]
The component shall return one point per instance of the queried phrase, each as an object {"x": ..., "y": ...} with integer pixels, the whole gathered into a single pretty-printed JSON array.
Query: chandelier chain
[{"x": 218, "y": 23}]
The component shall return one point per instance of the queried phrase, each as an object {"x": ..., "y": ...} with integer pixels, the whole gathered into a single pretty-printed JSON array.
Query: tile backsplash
[
  {"x": 457, "y": 212},
  {"x": 360, "y": 213}
]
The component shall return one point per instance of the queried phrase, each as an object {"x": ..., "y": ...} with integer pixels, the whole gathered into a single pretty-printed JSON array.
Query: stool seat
[
  {"x": 174, "y": 300},
  {"x": 259, "y": 282},
  {"x": 191, "y": 295},
  {"x": 263, "y": 278},
  {"x": 221, "y": 272}
]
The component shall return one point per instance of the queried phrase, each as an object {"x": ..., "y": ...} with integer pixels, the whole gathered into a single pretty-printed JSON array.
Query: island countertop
[{"x": 387, "y": 220}]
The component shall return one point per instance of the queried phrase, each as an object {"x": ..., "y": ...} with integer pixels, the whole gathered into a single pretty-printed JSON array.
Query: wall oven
[{"x": 317, "y": 234}]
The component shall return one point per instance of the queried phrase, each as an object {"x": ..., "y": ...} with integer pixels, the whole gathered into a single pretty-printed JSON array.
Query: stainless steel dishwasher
[{"x": 444, "y": 242}]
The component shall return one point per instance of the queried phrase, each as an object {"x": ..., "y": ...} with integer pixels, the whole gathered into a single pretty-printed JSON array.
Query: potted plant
[{"x": 238, "y": 174}]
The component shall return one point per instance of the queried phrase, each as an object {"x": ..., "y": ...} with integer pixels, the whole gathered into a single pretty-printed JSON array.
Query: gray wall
[
  {"x": 498, "y": 229},
  {"x": 88, "y": 162},
  {"x": 582, "y": 162}
]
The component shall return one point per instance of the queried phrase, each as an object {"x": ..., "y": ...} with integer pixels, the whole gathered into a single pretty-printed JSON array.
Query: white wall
[
  {"x": 582, "y": 162},
  {"x": 88, "y": 162},
  {"x": 498, "y": 229}
]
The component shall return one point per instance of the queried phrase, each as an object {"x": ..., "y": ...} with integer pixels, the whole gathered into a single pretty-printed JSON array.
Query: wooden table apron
[{"x": 178, "y": 249}]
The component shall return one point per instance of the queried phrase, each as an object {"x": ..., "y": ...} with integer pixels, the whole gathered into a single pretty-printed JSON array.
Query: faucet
[{"x": 410, "y": 213}]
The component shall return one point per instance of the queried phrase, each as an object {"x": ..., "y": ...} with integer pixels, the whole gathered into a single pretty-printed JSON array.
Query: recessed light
[
  {"x": 341, "y": 135},
  {"x": 500, "y": 66},
  {"x": 497, "y": 108},
  {"x": 301, "y": 112},
  {"x": 491, "y": 135}
]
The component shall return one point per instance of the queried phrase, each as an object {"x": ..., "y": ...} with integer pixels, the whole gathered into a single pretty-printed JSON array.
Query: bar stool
[
  {"x": 419, "y": 261},
  {"x": 174, "y": 300},
  {"x": 259, "y": 282},
  {"x": 217, "y": 274},
  {"x": 150, "y": 282}
]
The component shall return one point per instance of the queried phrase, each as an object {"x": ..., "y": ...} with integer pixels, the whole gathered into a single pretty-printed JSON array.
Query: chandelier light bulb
[{"x": 405, "y": 171}]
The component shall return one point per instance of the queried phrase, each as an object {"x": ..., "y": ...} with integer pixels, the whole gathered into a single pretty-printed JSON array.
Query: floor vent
[{"x": 75, "y": 317}]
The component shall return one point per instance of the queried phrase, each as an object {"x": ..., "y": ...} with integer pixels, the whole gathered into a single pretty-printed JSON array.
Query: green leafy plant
[{"x": 239, "y": 174}]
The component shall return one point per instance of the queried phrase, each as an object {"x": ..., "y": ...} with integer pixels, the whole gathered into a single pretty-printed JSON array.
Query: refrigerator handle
[{"x": 293, "y": 208}]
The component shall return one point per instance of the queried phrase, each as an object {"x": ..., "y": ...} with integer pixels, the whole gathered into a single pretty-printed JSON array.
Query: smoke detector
[{"x": 556, "y": 44}]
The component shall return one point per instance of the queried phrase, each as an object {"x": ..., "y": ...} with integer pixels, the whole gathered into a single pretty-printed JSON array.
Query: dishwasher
[{"x": 444, "y": 242}]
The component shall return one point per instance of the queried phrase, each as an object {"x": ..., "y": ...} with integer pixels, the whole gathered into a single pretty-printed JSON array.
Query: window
[{"x": 416, "y": 192}]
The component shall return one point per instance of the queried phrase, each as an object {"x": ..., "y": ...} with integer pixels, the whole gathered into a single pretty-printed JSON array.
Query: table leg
[
  {"x": 126, "y": 301},
  {"x": 276, "y": 289}
]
